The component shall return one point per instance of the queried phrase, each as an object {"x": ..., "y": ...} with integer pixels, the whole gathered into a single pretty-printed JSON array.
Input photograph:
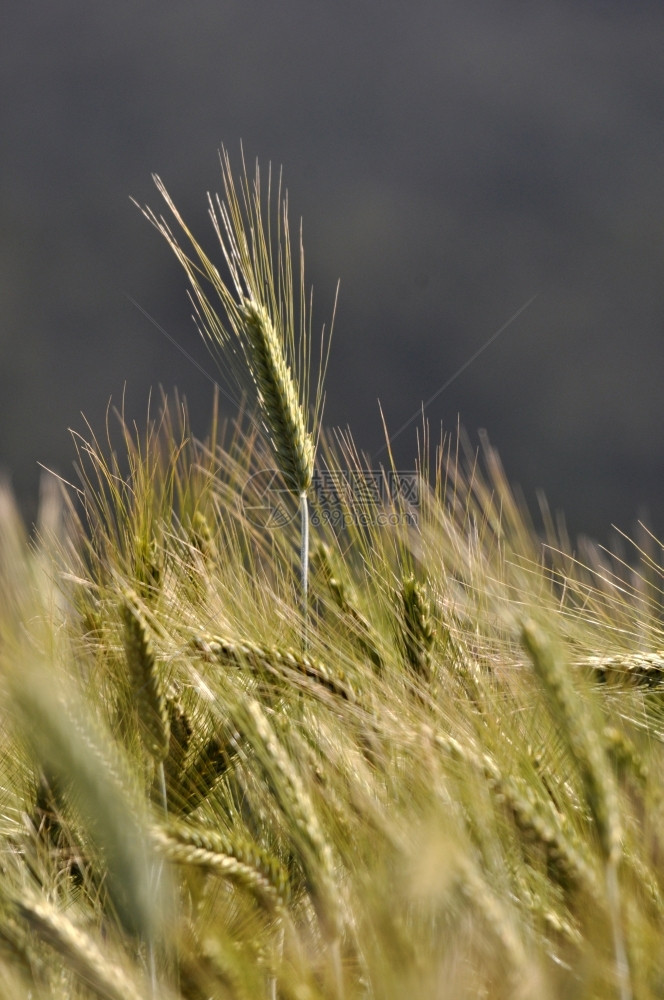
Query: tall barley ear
[{"x": 263, "y": 336}]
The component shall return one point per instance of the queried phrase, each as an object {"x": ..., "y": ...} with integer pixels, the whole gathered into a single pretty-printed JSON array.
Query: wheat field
[{"x": 418, "y": 756}]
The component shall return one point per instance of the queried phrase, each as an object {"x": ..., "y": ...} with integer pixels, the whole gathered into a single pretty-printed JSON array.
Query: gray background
[{"x": 450, "y": 161}]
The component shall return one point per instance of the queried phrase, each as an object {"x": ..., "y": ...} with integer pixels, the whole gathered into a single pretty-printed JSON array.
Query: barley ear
[
  {"x": 239, "y": 860},
  {"x": 260, "y": 340},
  {"x": 198, "y": 780},
  {"x": 418, "y": 631},
  {"x": 640, "y": 669},
  {"x": 583, "y": 739},
  {"x": 361, "y": 629},
  {"x": 283, "y": 664},
  {"x": 586, "y": 746},
  {"x": 146, "y": 683},
  {"x": 314, "y": 852}
]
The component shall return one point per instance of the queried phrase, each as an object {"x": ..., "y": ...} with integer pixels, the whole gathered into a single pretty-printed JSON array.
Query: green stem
[{"x": 304, "y": 563}]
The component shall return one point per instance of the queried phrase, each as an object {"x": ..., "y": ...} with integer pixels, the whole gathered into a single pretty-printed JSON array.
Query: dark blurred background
[{"x": 450, "y": 161}]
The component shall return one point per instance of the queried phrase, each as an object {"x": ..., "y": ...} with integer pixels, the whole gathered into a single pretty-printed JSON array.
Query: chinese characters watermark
[{"x": 339, "y": 498}]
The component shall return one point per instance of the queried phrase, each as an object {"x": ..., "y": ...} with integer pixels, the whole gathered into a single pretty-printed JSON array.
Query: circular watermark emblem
[{"x": 267, "y": 501}]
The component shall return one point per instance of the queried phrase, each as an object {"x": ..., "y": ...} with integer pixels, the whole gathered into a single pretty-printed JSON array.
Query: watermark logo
[{"x": 340, "y": 498}]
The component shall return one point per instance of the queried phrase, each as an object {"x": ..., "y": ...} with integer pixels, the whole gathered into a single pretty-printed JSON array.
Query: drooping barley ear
[
  {"x": 241, "y": 861},
  {"x": 100, "y": 972},
  {"x": 536, "y": 819},
  {"x": 639, "y": 669},
  {"x": 539, "y": 825},
  {"x": 146, "y": 682},
  {"x": 561, "y": 925},
  {"x": 283, "y": 664},
  {"x": 418, "y": 630}
]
